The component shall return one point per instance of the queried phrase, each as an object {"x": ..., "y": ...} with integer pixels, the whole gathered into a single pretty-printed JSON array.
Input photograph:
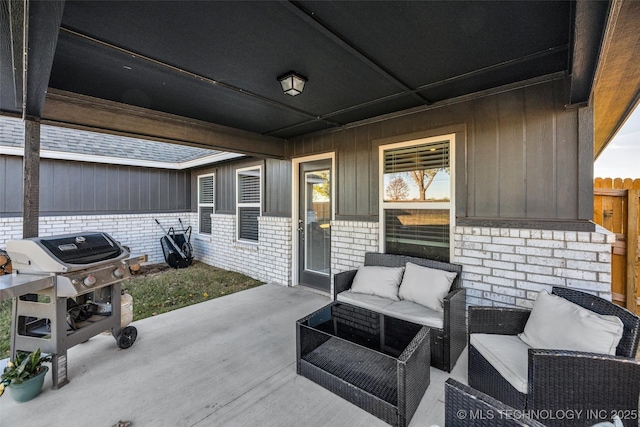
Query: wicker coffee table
[{"x": 376, "y": 362}]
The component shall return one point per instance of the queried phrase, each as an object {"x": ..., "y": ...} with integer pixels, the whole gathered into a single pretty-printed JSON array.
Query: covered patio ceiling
[{"x": 205, "y": 72}]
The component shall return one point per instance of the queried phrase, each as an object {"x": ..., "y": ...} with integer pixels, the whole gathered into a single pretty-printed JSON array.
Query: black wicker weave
[
  {"x": 595, "y": 385},
  {"x": 467, "y": 407},
  {"x": 376, "y": 362},
  {"x": 447, "y": 343}
]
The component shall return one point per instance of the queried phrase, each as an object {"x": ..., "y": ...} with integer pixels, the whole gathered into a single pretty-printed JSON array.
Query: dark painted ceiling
[{"x": 218, "y": 61}]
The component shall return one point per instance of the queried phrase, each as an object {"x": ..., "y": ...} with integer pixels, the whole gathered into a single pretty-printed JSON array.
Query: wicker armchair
[
  {"x": 466, "y": 407},
  {"x": 599, "y": 385},
  {"x": 447, "y": 343}
]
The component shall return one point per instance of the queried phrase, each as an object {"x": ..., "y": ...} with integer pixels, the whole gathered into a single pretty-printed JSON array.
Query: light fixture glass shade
[{"x": 292, "y": 83}]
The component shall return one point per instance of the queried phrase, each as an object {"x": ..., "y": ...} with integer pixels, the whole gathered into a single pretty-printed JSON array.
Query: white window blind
[
  {"x": 422, "y": 157},
  {"x": 248, "y": 188},
  {"x": 206, "y": 202},
  {"x": 249, "y": 203}
]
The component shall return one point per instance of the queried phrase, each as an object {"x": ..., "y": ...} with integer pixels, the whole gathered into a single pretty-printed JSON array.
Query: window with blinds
[
  {"x": 248, "y": 203},
  {"x": 206, "y": 202},
  {"x": 417, "y": 173},
  {"x": 416, "y": 193}
]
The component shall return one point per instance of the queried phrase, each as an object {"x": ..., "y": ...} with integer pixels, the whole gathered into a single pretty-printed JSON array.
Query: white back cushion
[
  {"x": 376, "y": 280},
  {"x": 556, "y": 323},
  {"x": 426, "y": 286}
]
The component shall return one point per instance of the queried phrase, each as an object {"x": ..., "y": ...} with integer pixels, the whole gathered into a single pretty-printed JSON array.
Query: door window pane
[{"x": 317, "y": 219}]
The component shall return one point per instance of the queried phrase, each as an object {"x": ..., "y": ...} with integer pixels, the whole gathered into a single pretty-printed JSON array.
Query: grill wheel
[{"x": 127, "y": 337}]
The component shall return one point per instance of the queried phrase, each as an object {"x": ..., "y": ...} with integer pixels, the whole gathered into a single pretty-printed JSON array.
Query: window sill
[
  {"x": 250, "y": 246},
  {"x": 202, "y": 237}
]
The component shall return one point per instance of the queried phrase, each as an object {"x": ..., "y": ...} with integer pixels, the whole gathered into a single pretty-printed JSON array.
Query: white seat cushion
[
  {"x": 405, "y": 310},
  {"x": 377, "y": 280},
  {"x": 426, "y": 286},
  {"x": 508, "y": 354},
  {"x": 558, "y": 324},
  {"x": 370, "y": 302},
  {"x": 416, "y": 313}
]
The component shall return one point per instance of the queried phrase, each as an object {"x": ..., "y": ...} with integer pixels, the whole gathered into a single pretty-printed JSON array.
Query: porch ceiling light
[{"x": 292, "y": 83}]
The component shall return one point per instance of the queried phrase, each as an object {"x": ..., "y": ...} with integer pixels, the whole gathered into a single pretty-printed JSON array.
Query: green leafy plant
[{"x": 25, "y": 366}]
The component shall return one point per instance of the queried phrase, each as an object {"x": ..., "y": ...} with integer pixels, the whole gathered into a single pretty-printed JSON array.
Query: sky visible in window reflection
[{"x": 403, "y": 187}]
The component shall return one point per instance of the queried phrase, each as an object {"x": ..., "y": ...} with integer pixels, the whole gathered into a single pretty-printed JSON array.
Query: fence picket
[{"x": 616, "y": 208}]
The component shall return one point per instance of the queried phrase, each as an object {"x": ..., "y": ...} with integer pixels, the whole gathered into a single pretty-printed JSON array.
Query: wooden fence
[{"x": 616, "y": 205}]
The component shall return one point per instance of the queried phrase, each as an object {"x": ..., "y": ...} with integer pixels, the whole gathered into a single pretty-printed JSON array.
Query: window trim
[
  {"x": 382, "y": 205},
  {"x": 207, "y": 205},
  {"x": 247, "y": 205}
]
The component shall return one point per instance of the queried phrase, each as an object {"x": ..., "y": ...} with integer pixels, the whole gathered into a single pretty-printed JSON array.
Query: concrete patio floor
[{"x": 225, "y": 362}]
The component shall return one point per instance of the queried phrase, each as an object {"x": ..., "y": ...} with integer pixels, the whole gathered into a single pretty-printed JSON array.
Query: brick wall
[
  {"x": 349, "y": 242},
  {"x": 269, "y": 260},
  {"x": 501, "y": 266},
  {"x": 504, "y": 266},
  {"x": 138, "y": 232},
  {"x": 10, "y": 229}
]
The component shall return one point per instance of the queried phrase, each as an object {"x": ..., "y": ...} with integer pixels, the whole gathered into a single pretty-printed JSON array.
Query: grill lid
[
  {"x": 82, "y": 249},
  {"x": 64, "y": 253}
]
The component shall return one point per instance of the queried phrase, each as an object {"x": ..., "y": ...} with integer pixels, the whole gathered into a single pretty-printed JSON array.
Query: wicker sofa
[
  {"x": 599, "y": 385},
  {"x": 449, "y": 336}
]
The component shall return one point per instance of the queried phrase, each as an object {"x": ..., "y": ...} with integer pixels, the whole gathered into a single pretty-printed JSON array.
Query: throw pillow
[
  {"x": 426, "y": 286},
  {"x": 377, "y": 280},
  {"x": 558, "y": 324}
]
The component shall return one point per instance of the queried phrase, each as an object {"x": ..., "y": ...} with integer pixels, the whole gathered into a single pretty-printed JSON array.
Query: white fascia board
[
  {"x": 77, "y": 157},
  {"x": 214, "y": 158},
  {"x": 12, "y": 151}
]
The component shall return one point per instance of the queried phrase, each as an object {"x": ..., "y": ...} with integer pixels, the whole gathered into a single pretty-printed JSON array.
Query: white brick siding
[
  {"x": 500, "y": 266},
  {"x": 137, "y": 231},
  {"x": 349, "y": 242},
  {"x": 10, "y": 229},
  {"x": 268, "y": 260},
  {"x": 510, "y": 266}
]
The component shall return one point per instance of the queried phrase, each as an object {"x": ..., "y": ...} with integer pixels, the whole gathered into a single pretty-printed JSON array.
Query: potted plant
[{"x": 24, "y": 376}]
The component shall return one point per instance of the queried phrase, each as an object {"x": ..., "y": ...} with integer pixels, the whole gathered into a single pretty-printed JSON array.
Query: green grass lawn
[
  {"x": 159, "y": 289},
  {"x": 5, "y": 328}
]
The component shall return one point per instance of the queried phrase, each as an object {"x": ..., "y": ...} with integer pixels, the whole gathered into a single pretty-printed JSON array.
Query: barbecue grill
[{"x": 65, "y": 290}]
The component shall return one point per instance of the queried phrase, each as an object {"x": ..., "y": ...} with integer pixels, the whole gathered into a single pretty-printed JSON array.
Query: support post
[
  {"x": 585, "y": 163},
  {"x": 31, "y": 180},
  {"x": 632, "y": 250}
]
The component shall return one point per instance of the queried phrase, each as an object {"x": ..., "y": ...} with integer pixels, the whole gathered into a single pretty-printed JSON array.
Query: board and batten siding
[
  {"x": 68, "y": 187},
  {"x": 276, "y": 186},
  {"x": 520, "y": 154}
]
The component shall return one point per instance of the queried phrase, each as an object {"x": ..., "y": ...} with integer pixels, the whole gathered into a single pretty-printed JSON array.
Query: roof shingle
[{"x": 65, "y": 140}]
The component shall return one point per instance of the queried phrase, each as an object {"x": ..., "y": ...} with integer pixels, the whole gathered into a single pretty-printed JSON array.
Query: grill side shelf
[{"x": 15, "y": 285}]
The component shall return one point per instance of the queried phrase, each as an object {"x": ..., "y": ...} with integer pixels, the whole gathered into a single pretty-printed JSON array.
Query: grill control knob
[
  {"x": 89, "y": 281},
  {"x": 118, "y": 272}
]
